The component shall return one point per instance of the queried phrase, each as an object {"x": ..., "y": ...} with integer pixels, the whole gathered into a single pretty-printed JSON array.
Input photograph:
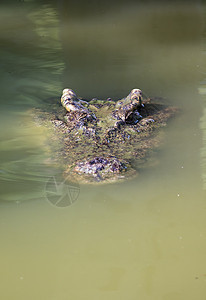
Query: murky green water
[{"x": 141, "y": 239}]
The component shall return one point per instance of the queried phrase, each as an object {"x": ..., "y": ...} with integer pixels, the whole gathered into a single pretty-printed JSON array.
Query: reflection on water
[
  {"x": 141, "y": 239},
  {"x": 202, "y": 92},
  {"x": 32, "y": 71},
  {"x": 32, "y": 56}
]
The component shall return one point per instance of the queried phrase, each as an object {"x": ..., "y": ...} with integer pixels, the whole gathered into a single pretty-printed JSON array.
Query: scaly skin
[{"x": 99, "y": 139}]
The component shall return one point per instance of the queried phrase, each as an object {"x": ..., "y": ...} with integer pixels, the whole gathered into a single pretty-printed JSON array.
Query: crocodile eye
[
  {"x": 69, "y": 92},
  {"x": 65, "y": 91},
  {"x": 136, "y": 91}
]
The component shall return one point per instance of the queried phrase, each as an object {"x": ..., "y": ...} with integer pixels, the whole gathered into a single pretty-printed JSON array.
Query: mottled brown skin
[{"x": 98, "y": 140}]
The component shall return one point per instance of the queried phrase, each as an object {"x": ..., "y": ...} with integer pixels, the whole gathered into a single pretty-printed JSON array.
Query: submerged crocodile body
[{"x": 103, "y": 140}]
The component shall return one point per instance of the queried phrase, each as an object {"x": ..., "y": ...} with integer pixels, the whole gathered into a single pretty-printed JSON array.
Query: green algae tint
[
  {"x": 140, "y": 239},
  {"x": 97, "y": 147}
]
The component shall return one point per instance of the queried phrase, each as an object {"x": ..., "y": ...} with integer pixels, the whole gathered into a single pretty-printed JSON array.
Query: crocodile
[{"x": 103, "y": 141}]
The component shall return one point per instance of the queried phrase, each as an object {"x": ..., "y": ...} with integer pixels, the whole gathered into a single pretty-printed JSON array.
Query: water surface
[{"x": 141, "y": 239}]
